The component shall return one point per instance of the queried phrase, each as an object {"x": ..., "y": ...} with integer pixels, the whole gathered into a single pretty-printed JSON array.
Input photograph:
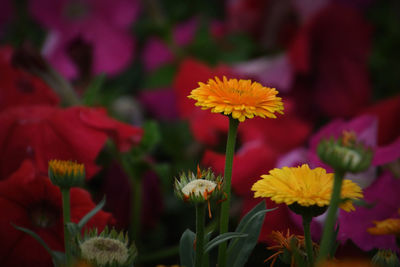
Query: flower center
[
  {"x": 198, "y": 187},
  {"x": 104, "y": 250},
  {"x": 24, "y": 85},
  {"x": 76, "y": 10},
  {"x": 43, "y": 216}
]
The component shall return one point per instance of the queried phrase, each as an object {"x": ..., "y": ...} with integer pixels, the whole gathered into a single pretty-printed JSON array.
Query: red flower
[
  {"x": 387, "y": 112},
  {"x": 42, "y": 133},
  {"x": 29, "y": 200},
  {"x": 20, "y": 88},
  {"x": 330, "y": 56}
]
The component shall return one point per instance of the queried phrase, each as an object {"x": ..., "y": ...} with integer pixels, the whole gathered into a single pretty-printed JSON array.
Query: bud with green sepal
[
  {"x": 200, "y": 187},
  {"x": 386, "y": 258},
  {"x": 107, "y": 249},
  {"x": 345, "y": 154},
  {"x": 66, "y": 174}
]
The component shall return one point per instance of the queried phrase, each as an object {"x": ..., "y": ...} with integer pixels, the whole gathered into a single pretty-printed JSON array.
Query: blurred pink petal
[
  {"x": 273, "y": 71},
  {"x": 384, "y": 194},
  {"x": 160, "y": 103},
  {"x": 102, "y": 25},
  {"x": 156, "y": 54},
  {"x": 307, "y": 8}
]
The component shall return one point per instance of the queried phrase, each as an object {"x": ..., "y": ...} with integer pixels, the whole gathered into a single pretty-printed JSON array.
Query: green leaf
[
  {"x": 334, "y": 244},
  {"x": 298, "y": 257},
  {"x": 186, "y": 250},
  {"x": 58, "y": 257},
  {"x": 222, "y": 238},
  {"x": 162, "y": 77},
  {"x": 91, "y": 213},
  {"x": 151, "y": 136},
  {"x": 73, "y": 229},
  {"x": 240, "y": 249},
  {"x": 93, "y": 91}
]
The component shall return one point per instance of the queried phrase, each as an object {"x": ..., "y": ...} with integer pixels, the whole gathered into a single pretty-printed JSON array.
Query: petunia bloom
[
  {"x": 31, "y": 201},
  {"x": 43, "y": 133},
  {"x": 101, "y": 26},
  {"x": 304, "y": 186},
  {"x": 329, "y": 56},
  {"x": 20, "y": 88},
  {"x": 239, "y": 98}
]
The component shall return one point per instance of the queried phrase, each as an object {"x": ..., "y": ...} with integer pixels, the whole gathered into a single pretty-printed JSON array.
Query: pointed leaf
[
  {"x": 93, "y": 90},
  {"x": 91, "y": 213},
  {"x": 58, "y": 257},
  {"x": 222, "y": 238},
  {"x": 186, "y": 250},
  {"x": 240, "y": 249}
]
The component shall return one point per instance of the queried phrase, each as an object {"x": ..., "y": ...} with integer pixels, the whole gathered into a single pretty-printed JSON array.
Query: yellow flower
[
  {"x": 304, "y": 186},
  {"x": 386, "y": 227},
  {"x": 65, "y": 167},
  {"x": 240, "y": 98}
]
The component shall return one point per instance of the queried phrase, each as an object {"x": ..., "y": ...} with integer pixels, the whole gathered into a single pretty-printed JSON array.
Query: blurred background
[{"x": 332, "y": 61}]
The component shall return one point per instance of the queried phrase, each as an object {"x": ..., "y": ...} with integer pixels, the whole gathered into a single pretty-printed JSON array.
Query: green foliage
[
  {"x": 162, "y": 77},
  {"x": 222, "y": 238},
  {"x": 240, "y": 249},
  {"x": 186, "y": 250},
  {"x": 92, "y": 92},
  {"x": 58, "y": 257}
]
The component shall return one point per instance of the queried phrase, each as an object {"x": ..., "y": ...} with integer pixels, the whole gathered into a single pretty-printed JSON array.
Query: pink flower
[
  {"x": 160, "y": 103},
  {"x": 274, "y": 71},
  {"x": 100, "y": 24},
  {"x": 157, "y": 53}
]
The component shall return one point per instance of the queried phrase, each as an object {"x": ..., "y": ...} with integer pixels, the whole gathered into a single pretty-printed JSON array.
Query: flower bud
[
  {"x": 110, "y": 249},
  {"x": 345, "y": 154},
  {"x": 198, "y": 188},
  {"x": 66, "y": 174},
  {"x": 385, "y": 258}
]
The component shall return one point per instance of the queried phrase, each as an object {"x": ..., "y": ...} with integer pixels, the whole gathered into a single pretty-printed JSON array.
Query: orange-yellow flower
[
  {"x": 287, "y": 243},
  {"x": 239, "y": 98},
  {"x": 304, "y": 186},
  {"x": 386, "y": 227}
]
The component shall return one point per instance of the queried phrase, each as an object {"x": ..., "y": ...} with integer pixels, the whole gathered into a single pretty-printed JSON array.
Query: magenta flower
[
  {"x": 157, "y": 53},
  {"x": 101, "y": 25}
]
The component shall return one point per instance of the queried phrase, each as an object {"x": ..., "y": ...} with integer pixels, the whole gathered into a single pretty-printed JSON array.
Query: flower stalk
[
  {"x": 136, "y": 202},
  {"x": 200, "y": 218},
  {"x": 224, "y": 215},
  {"x": 327, "y": 234},
  {"x": 66, "y": 218},
  {"x": 308, "y": 241}
]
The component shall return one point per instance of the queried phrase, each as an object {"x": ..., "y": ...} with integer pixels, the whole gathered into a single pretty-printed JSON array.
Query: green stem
[
  {"x": 67, "y": 219},
  {"x": 224, "y": 217},
  {"x": 327, "y": 235},
  {"x": 307, "y": 236},
  {"x": 200, "y": 218},
  {"x": 136, "y": 204}
]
